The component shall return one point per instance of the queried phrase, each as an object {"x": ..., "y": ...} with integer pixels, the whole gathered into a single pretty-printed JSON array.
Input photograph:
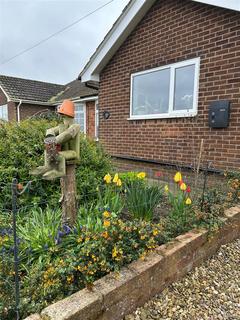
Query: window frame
[
  {"x": 85, "y": 114},
  {"x": 97, "y": 120},
  {"x": 171, "y": 113},
  {"x": 1, "y": 112}
]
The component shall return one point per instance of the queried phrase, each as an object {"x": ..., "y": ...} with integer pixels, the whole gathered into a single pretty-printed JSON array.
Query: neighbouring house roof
[
  {"x": 17, "y": 89},
  {"x": 125, "y": 24},
  {"x": 75, "y": 90}
]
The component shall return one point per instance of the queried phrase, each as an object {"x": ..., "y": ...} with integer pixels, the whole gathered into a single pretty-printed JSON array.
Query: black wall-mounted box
[{"x": 219, "y": 113}]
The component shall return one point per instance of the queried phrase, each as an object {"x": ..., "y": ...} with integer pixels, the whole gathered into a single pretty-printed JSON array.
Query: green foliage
[
  {"x": 142, "y": 199},
  {"x": 213, "y": 198},
  {"x": 110, "y": 198},
  {"x": 22, "y": 148}
]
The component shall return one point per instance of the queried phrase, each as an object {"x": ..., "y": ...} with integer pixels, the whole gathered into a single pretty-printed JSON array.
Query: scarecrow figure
[{"x": 61, "y": 145}]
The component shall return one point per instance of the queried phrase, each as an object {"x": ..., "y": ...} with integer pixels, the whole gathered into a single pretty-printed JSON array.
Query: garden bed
[{"x": 118, "y": 294}]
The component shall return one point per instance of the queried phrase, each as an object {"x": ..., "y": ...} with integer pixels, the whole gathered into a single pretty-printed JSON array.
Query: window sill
[{"x": 164, "y": 116}]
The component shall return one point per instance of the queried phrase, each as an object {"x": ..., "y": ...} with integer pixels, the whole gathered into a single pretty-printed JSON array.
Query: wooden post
[{"x": 68, "y": 199}]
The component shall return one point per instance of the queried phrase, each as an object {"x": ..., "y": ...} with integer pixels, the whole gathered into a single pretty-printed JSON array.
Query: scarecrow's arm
[
  {"x": 52, "y": 131},
  {"x": 68, "y": 134}
]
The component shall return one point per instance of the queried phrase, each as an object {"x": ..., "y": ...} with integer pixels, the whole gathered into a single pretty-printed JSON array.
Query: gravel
[{"x": 209, "y": 292}]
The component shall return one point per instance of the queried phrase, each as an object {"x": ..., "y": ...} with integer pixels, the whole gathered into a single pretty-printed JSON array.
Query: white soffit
[
  {"x": 227, "y": 4},
  {"x": 128, "y": 20}
]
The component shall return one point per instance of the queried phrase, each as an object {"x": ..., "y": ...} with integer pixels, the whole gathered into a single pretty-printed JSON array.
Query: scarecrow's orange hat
[{"x": 67, "y": 108}]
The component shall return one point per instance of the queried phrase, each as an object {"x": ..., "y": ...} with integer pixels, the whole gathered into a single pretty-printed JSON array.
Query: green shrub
[{"x": 21, "y": 149}]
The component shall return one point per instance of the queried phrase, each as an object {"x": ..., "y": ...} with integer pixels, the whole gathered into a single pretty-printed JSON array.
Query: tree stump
[{"x": 68, "y": 199}]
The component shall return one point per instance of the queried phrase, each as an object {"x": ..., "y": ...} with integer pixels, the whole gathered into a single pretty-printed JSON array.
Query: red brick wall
[
  {"x": 90, "y": 114},
  {"x": 3, "y": 98},
  {"x": 173, "y": 31},
  {"x": 11, "y": 106},
  {"x": 28, "y": 110}
]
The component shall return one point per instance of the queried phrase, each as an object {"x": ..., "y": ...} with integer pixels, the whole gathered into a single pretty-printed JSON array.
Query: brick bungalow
[
  {"x": 24, "y": 98},
  {"x": 168, "y": 72}
]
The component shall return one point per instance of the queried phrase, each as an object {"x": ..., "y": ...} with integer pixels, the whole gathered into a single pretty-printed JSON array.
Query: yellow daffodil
[
  {"x": 141, "y": 175},
  {"x": 155, "y": 232},
  {"x": 166, "y": 188},
  {"x": 115, "y": 179},
  {"x": 106, "y": 214},
  {"x": 188, "y": 201},
  {"x": 119, "y": 182},
  {"x": 183, "y": 186},
  {"x": 178, "y": 177},
  {"x": 107, "y": 178},
  {"x": 106, "y": 223}
]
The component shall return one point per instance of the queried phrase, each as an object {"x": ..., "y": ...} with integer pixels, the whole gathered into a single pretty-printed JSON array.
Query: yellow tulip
[
  {"x": 119, "y": 183},
  {"x": 183, "y": 186},
  {"x": 188, "y": 201},
  {"x": 141, "y": 175},
  {"x": 115, "y": 179},
  {"x": 107, "y": 178},
  {"x": 178, "y": 177}
]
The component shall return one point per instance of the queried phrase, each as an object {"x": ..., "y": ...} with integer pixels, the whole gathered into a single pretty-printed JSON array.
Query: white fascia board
[
  {"x": 124, "y": 26},
  {"x": 115, "y": 38},
  {"x": 32, "y": 102},
  {"x": 78, "y": 99},
  {"x": 227, "y": 4}
]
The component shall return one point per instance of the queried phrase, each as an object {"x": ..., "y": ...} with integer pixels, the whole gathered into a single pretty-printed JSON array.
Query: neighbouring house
[
  {"x": 85, "y": 98},
  {"x": 24, "y": 98},
  {"x": 169, "y": 73}
]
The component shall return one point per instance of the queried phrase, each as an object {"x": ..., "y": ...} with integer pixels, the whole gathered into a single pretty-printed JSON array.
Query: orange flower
[
  {"x": 105, "y": 234},
  {"x": 106, "y": 223}
]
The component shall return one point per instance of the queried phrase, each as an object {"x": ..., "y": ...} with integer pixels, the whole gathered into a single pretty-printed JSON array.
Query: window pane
[
  {"x": 80, "y": 116},
  {"x": 79, "y": 108},
  {"x": 151, "y": 93},
  {"x": 184, "y": 88},
  {"x": 4, "y": 112}
]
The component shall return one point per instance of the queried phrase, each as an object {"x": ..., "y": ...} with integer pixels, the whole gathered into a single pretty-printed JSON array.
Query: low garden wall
[{"x": 117, "y": 295}]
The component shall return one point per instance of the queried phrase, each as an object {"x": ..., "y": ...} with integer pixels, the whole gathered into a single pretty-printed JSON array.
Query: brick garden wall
[{"x": 173, "y": 31}]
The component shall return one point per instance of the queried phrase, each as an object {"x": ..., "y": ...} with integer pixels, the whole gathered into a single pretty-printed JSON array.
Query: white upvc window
[
  {"x": 80, "y": 115},
  {"x": 166, "y": 92},
  {"x": 4, "y": 112}
]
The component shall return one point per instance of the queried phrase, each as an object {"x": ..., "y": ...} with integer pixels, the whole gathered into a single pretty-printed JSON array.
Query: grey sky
[{"x": 59, "y": 60}]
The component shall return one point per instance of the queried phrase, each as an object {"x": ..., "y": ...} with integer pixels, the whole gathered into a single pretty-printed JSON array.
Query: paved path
[{"x": 209, "y": 292}]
